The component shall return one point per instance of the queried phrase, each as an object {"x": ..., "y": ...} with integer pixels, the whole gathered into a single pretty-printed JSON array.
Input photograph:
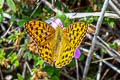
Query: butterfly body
[
  {"x": 57, "y": 42},
  {"x": 56, "y": 45}
]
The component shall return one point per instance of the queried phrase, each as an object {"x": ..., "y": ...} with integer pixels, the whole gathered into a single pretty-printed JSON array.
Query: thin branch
[
  {"x": 81, "y": 67},
  {"x": 108, "y": 51},
  {"x": 107, "y": 63},
  {"x": 77, "y": 70},
  {"x": 112, "y": 5},
  {"x": 8, "y": 16},
  {"x": 35, "y": 9},
  {"x": 2, "y": 27},
  {"x": 105, "y": 48},
  {"x": 105, "y": 73},
  {"x": 108, "y": 45},
  {"x": 89, "y": 14},
  {"x": 107, "y": 70},
  {"x": 94, "y": 39},
  {"x": 10, "y": 47},
  {"x": 7, "y": 31},
  {"x": 50, "y": 6},
  {"x": 28, "y": 67},
  {"x": 66, "y": 75},
  {"x": 19, "y": 55},
  {"x": 1, "y": 74},
  {"x": 99, "y": 69},
  {"x": 24, "y": 69},
  {"x": 117, "y": 3},
  {"x": 81, "y": 15},
  {"x": 105, "y": 59}
]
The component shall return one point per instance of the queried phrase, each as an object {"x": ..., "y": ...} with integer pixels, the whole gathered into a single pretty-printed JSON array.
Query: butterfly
[{"x": 56, "y": 46}]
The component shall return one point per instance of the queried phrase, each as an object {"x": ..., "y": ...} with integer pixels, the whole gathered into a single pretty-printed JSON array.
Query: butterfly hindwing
[
  {"x": 66, "y": 55},
  {"x": 72, "y": 37},
  {"x": 43, "y": 35},
  {"x": 46, "y": 52}
]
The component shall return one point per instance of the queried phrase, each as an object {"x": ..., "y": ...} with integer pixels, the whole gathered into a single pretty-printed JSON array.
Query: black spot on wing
[
  {"x": 63, "y": 57},
  {"x": 41, "y": 30},
  {"x": 36, "y": 33},
  {"x": 66, "y": 55},
  {"x": 40, "y": 36},
  {"x": 46, "y": 53}
]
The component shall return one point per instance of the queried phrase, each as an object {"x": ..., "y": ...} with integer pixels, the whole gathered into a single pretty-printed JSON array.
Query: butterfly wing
[
  {"x": 65, "y": 56},
  {"x": 74, "y": 33},
  {"x": 46, "y": 51},
  {"x": 40, "y": 31},
  {"x": 72, "y": 37},
  {"x": 43, "y": 35}
]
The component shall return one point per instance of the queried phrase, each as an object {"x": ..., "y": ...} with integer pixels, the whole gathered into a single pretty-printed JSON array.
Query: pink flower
[
  {"x": 54, "y": 22},
  {"x": 77, "y": 53}
]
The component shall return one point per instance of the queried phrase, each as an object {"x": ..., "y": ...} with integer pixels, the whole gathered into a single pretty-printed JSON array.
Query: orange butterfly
[{"x": 56, "y": 45}]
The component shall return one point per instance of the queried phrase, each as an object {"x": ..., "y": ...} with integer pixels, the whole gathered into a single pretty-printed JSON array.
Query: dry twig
[{"x": 94, "y": 39}]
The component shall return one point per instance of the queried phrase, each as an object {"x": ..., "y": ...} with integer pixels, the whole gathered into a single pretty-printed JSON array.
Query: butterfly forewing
[
  {"x": 40, "y": 31},
  {"x": 43, "y": 34},
  {"x": 72, "y": 37},
  {"x": 74, "y": 33}
]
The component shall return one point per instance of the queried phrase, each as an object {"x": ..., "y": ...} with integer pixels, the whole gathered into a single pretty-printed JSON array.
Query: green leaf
[
  {"x": 13, "y": 36},
  {"x": 111, "y": 23},
  {"x": 1, "y": 15},
  {"x": 66, "y": 21},
  {"x": 35, "y": 56},
  {"x": 27, "y": 54},
  {"x": 12, "y": 19},
  {"x": 45, "y": 78},
  {"x": 49, "y": 70},
  {"x": 61, "y": 15},
  {"x": 40, "y": 61},
  {"x": 89, "y": 9},
  {"x": 81, "y": 58},
  {"x": 1, "y": 40},
  {"x": 26, "y": 18},
  {"x": 37, "y": 60},
  {"x": 13, "y": 57},
  {"x": 29, "y": 57},
  {"x": 72, "y": 63},
  {"x": 23, "y": 47},
  {"x": 21, "y": 22},
  {"x": 2, "y": 54},
  {"x": 103, "y": 51},
  {"x": 55, "y": 78},
  {"x": 19, "y": 77},
  {"x": 113, "y": 45},
  {"x": 1, "y": 3},
  {"x": 2, "y": 57},
  {"x": 16, "y": 63},
  {"x": 11, "y": 4},
  {"x": 58, "y": 3},
  {"x": 67, "y": 8}
]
